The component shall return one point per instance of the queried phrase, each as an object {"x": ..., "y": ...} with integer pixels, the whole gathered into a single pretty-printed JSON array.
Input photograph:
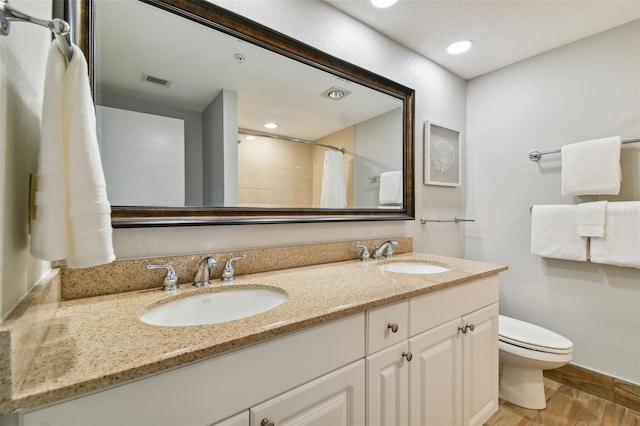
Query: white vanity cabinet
[
  {"x": 431, "y": 360},
  {"x": 446, "y": 371}
]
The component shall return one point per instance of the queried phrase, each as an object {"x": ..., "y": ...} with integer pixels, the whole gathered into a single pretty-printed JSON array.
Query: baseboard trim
[{"x": 606, "y": 387}]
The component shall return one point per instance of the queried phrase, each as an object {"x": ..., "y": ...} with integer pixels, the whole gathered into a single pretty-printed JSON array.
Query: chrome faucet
[
  {"x": 228, "y": 271},
  {"x": 202, "y": 273},
  {"x": 170, "y": 280},
  {"x": 386, "y": 247},
  {"x": 364, "y": 254}
]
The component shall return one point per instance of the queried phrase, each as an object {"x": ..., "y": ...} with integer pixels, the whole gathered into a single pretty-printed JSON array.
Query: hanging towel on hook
[{"x": 73, "y": 215}]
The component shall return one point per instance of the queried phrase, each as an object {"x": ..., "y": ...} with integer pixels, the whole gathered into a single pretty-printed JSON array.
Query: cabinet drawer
[
  {"x": 387, "y": 326},
  {"x": 436, "y": 308}
]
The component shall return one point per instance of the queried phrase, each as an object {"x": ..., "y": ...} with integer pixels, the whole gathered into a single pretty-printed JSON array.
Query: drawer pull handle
[
  {"x": 466, "y": 328},
  {"x": 407, "y": 355},
  {"x": 393, "y": 327},
  {"x": 267, "y": 422}
]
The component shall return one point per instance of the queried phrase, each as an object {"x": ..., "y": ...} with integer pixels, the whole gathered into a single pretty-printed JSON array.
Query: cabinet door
[
  {"x": 388, "y": 387},
  {"x": 436, "y": 382},
  {"x": 336, "y": 399},
  {"x": 480, "y": 364}
]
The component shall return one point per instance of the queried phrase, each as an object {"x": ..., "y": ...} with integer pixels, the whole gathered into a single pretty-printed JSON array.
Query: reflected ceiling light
[
  {"x": 459, "y": 47},
  {"x": 250, "y": 138},
  {"x": 336, "y": 93},
  {"x": 270, "y": 125},
  {"x": 383, "y": 3}
]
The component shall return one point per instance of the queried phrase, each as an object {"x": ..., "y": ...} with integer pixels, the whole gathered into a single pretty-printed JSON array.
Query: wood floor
[{"x": 566, "y": 406}]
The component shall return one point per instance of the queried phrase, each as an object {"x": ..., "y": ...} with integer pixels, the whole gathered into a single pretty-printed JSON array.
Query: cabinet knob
[
  {"x": 393, "y": 326},
  {"x": 407, "y": 355},
  {"x": 267, "y": 422}
]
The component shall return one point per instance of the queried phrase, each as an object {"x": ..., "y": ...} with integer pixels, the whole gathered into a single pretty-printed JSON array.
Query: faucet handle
[
  {"x": 170, "y": 280},
  {"x": 364, "y": 255},
  {"x": 228, "y": 271}
]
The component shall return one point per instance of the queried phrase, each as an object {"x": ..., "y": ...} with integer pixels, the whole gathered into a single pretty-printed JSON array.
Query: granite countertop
[{"x": 97, "y": 342}]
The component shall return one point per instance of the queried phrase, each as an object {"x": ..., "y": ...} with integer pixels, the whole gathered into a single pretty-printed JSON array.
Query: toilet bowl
[{"x": 526, "y": 350}]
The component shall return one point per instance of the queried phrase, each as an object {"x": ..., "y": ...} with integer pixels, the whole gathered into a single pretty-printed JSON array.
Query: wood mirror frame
[{"x": 81, "y": 14}]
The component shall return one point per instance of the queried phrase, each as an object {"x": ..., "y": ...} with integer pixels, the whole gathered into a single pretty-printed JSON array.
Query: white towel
[
  {"x": 390, "y": 188},
  {"x": 73, "y": 219},
  {"x": 621, "y": 242},
  {"x": 553, "y": 233},
  {"x": 591, "y": 167},
  {"x": 333, "y": 193},
  {"x": 590, "y": 218}
]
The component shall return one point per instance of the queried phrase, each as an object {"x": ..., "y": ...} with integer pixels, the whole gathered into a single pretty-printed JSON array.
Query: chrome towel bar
[
  {"x": 536, "y": 155},
  {"x": 454, "y": 220}
]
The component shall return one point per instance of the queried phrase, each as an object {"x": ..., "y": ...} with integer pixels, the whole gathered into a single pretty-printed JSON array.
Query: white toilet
[{"x": 526, "y": 350}]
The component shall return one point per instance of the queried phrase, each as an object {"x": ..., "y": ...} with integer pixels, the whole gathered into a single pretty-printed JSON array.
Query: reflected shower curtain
[{"x": 334, "y": 193}]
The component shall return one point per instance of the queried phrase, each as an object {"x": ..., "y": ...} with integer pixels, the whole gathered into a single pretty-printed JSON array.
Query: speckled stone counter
[{"x": 97, "y": 342}]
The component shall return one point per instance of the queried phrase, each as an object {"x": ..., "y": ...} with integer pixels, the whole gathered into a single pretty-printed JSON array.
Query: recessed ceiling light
[
  {"x": 336, "y": 93},
  {"x": 270, "y": 125},
  {"x": 383, "y": 3},
  {"x": 250, "y": 138},
  {"x": 459, "y": 47}
]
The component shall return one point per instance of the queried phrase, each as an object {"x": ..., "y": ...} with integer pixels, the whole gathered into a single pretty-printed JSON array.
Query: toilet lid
[{"x": 526, "y": 335}]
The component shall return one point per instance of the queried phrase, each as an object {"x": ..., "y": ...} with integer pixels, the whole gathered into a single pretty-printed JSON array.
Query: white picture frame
[{"x": 442, "y": 155}]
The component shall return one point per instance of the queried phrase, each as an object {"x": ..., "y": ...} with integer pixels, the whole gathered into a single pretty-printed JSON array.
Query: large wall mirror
[{"x": 205, "y": 117}]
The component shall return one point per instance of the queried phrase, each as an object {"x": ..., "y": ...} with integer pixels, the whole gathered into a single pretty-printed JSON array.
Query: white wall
[
  {"x": 374, "y": 139},
  {"x": 440, "y": 96},
  {"x": 585, "y": 90},
  {"x": 22, "y": 64},
  {"x": 142, "y": 157}
]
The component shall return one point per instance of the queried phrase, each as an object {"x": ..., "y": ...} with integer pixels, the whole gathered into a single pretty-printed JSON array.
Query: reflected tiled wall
[{"x": 276, "y": 173}]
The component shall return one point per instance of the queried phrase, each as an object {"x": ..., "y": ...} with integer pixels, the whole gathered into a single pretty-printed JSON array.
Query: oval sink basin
[
  {"x": 413, "y": 268},
  {"x": 214, "y": 307}
]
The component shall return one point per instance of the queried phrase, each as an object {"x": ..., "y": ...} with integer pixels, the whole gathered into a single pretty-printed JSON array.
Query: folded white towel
[
  {"x": 591, "y": 167},
  {"x": 390, "y": 188},
  {"x": 590, "y": 218},
  {"x": 553, "y": 233},
  {"x": 621, "y": 242},
  {"x": 73, "y": 220}
]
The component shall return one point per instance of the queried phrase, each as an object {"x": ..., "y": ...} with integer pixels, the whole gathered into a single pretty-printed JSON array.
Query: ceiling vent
[{"x": 156, "y": 80}]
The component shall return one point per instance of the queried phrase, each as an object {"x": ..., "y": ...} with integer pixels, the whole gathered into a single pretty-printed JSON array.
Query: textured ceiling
[{"x": 504, "y": 32}]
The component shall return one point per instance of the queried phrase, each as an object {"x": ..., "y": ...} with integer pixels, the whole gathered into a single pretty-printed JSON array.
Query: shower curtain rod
[
  {"x": 287, "y": 138},
  {"x": 58, "y": 27}
]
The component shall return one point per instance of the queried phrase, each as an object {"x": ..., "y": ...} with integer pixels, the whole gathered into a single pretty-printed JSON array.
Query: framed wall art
[{"x": 442, "y": 155}]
